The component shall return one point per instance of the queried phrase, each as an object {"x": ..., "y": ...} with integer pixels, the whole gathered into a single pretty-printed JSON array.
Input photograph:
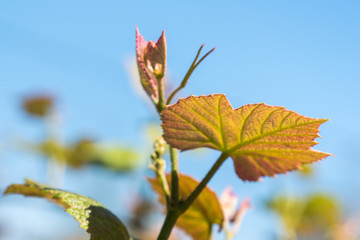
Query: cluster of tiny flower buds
[{"x": 157, "y": 163}]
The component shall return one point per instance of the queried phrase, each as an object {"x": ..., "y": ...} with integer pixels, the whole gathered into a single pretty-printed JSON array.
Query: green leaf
[
  {"x": 93, "y": 217},
  {"x": 205, "y": 211},
  {"x": 262, "y": 140}
]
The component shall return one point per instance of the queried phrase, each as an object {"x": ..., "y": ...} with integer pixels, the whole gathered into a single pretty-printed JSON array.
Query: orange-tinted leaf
[
  {"x": 201, "y": 215},
  {"x": 262, "y": 140}
]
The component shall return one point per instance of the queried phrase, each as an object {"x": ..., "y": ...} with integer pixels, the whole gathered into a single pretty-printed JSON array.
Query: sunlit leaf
[
  {"x": 205, "y": 211},
  {"x": 262, "y": 140},
  {"x": 93, "y": 217}
]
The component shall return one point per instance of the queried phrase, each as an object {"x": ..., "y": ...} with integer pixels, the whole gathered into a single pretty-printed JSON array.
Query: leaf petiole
[{"x": 186, "y": 204}]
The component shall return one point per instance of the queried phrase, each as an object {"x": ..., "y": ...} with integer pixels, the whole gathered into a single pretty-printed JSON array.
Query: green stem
[
  {"x": 175, "y": 213},
  {"x": 204, "y": 182},
  {"x": 161, "y": 104},
  {"x": 169, "y": 224},
  {"x": 174, "y": 176},
  {"x": 165, "y": 187}
]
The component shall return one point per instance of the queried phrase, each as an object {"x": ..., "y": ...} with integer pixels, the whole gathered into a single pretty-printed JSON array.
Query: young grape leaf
[
  {"x": 205, "y": 211},
  {"x": 93, "y": 217},
  {"x": 262, "y": 140},
  {"x": 151, "y": 61}
]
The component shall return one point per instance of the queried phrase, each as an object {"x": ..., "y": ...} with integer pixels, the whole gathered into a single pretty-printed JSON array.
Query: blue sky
[{"x": 304, "y": 55}]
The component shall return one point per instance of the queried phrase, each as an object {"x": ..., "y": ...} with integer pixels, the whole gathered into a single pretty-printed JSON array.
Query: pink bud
[
  {"x": 228, "y": 202},
  {"x": 151, "y": 61}
]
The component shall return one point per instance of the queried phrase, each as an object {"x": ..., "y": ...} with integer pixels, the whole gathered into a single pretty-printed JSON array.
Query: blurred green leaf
[
  {"x": 117, "y": 158},
  {"x": 317, "y": 216},
  {"x": 322, "y": 213},
  {"x": 85, "y": 152},
  {"x": 51, "y": 149},
  {"x": 80, "y": 153},
  {"x": 93, "y": 217}
]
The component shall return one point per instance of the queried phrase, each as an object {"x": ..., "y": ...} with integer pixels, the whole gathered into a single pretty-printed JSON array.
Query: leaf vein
[
  {"x": 267, "y": 118},
  {"x": 224, "y": 143},
  {"x": 207, "y": 120},
  {"x": 192, "y": 124},
  {"x": 191, "y": 140},
  {"x": 283, "y": 143},
  {"x": 245, "y": 121},
  {"x": 283, "y": 120},
  {"x": 210, "y": 113},
  {"x": 205, "y": 100},
  {"x": 241, "y": 144},
  {"x": 184, "y": 129}
]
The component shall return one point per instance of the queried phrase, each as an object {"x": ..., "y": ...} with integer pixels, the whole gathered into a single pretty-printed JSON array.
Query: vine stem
[
  {"x": 169, "y": 223},
  {"x": 204, "y": 182},
  {"x": 174, "y": 213},
  {"x": 174, "y": 196},
  {"x": 174, "y": 175},
  {"x": 175, "y": 209},
  {"x": 161, "y": 103},
  {"x": 164, "y": 185}
]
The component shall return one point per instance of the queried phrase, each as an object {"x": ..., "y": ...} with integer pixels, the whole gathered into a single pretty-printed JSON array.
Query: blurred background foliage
[{"x": 83, "y": 152}]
